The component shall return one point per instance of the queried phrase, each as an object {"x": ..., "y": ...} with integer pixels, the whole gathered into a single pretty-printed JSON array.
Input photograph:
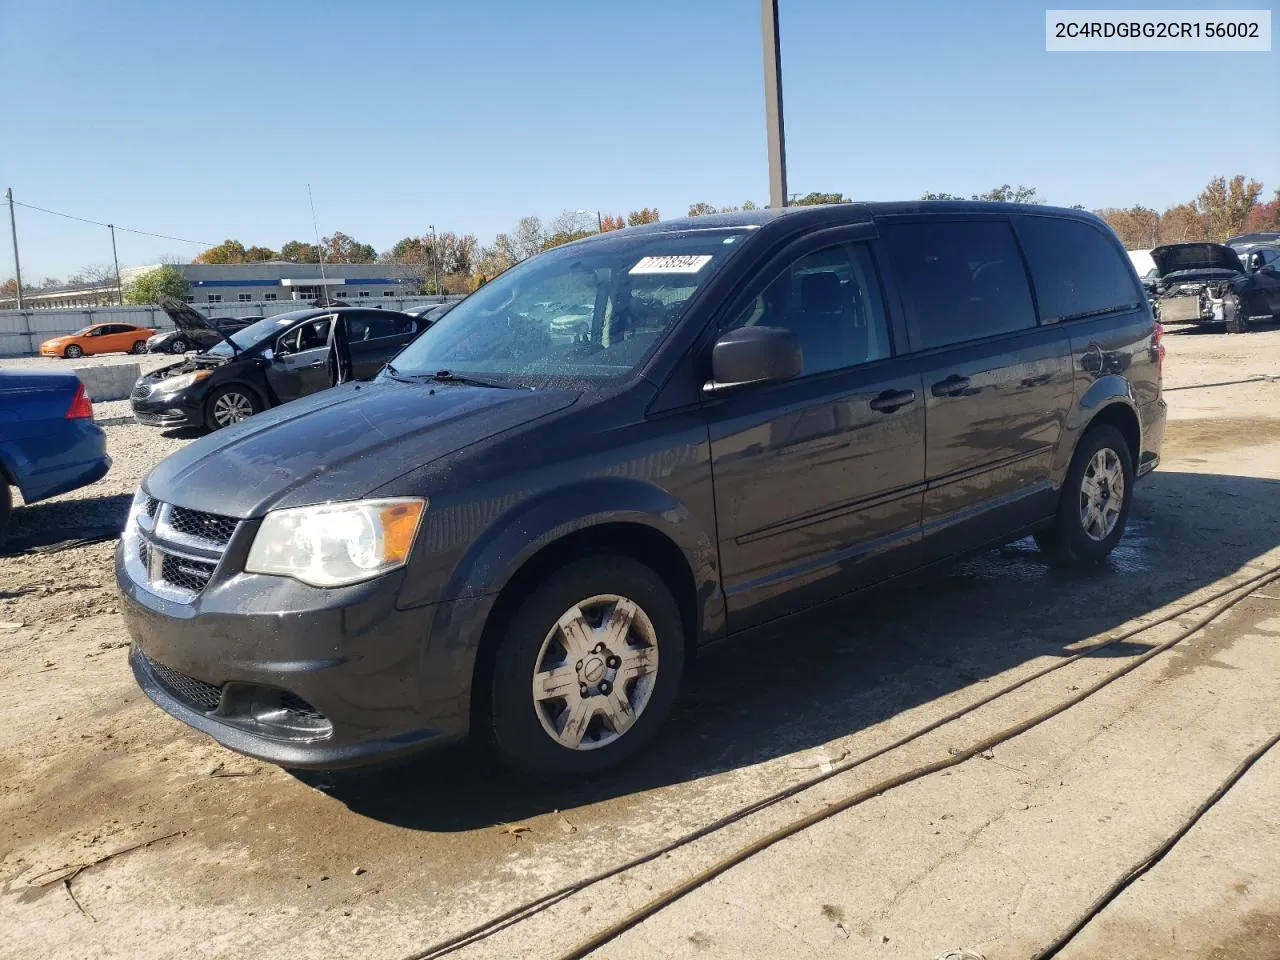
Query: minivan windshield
[
  {"x": 590, "y": 311},
  {"x": 254, "y": 334}
]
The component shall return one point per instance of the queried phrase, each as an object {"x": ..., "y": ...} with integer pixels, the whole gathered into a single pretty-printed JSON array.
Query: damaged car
[
  {"x": 267, "y": 363},
  {"x": 1209, "y": 283}
]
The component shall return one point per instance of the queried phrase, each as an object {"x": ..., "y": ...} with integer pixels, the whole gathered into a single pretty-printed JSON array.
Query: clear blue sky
[{"x": 207, "y": 120}]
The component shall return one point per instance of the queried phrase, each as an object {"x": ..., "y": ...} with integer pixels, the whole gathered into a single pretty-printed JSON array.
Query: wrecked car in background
[{"x": 1209, "y": 283}]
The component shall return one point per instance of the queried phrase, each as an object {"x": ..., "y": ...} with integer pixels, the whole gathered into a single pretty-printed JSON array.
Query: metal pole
[
  {"x": 119, "y": 286},
  {"x": 599, "y": 223},
  {"x": 13, "y": 229},
  {"x": 435, "y": 259},
  {"x": 773, "y": 103}
]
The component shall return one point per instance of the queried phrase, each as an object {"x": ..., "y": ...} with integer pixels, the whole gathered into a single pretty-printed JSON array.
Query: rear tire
[
  {"x": 73, "y": 352},
  {"x": 588, "y": 669},
  {"x": 230, "y": 404},
  {"x": 1096, "y": 495}
]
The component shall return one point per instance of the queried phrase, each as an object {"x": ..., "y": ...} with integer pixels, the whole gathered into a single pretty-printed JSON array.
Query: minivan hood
[
  {"x": 339, "y": 444},
  {"x": 1180, "y": 257}
]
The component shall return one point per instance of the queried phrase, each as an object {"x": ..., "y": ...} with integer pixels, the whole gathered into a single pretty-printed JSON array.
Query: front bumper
[
  {"x": 304, "y": 677},
  {"x": 167, "y": 410}
]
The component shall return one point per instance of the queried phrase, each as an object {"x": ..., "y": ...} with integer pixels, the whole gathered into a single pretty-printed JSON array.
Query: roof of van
[{"x": 853, "y": 212}]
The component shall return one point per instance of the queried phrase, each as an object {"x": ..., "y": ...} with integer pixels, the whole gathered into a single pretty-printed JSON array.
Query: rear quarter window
[{"x": 1077, "y": 270}]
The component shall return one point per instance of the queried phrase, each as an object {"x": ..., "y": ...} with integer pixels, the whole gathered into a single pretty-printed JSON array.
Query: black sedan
[
  {"x": 268, "y": 363},
  {"x": 180, "y": 340}
]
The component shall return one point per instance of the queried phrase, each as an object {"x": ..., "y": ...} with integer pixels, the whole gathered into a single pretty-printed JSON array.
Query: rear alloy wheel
[
  {"x": 1095, "y": 501},
  {"x": 73, "y": 352},
  {"x": 230, "y": 405},
  {"x": 588, "y": 670},
  {"x": 178, "y": 346},
  {"x": 140, "y": 347}
]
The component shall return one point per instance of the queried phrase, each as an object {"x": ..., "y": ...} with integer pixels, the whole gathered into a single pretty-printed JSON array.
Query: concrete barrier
[{"x": 108, "y": 382}]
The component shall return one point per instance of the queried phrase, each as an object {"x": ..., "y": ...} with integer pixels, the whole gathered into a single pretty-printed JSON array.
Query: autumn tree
[
  {"x": 9, "y": 288},
  {"x": 527, "y": 239},
  {"x": 644, "y": 215},
  {"x": 815, "y": 198},
  {"x": 341, "y": 248},
  {"x": 1225, "y": 205},
  {"x": 228, "y": 251},
  {"x": 942, "y": 196},
  {"x": 702, "y": 209},
  {"x": 1138, "y": 227},
  {"x": 612, "y": 222},
  {"x": 1182, "y": 224},
  {"x": 260, "y": 255},
  {"x": 151, "y": 285},
  {"x": 1265, "y": 217},
  {"x": 1007, "y": 194},
  {"x": 297, "y": 251}
]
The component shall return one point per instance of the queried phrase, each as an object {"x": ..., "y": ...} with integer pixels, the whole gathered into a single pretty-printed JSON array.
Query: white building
[{"x": 283, "y": 280}]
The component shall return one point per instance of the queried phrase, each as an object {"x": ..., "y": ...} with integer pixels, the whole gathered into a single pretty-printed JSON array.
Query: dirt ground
[{"x": 997, "y": 855}]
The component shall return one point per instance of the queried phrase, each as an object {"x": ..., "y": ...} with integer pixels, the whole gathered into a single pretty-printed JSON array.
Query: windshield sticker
[{"x": 674, "y": 264}]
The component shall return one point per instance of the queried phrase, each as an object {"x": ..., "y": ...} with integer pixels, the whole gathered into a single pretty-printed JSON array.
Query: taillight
[{"x": 80, "y": 405}]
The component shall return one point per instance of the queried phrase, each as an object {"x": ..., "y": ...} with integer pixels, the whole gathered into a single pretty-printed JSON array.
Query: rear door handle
[
  {"x": 892, "y": 400},
  {"x": 953, "y": 386},
  {"x": 318, "y": 363}
]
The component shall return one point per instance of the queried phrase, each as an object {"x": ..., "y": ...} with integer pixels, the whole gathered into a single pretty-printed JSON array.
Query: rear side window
[
  {"x": 961, "y": 280},
  {"x": 1077, "y": 271},
  {"x": 373, "y": 327}
]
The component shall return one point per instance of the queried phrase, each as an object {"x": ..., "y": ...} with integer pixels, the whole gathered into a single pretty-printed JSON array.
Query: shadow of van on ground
[{"x": 866, "y": 659}]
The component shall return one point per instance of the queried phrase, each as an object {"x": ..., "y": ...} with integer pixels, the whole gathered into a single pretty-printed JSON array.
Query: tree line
[{"x": 1224, "y": 208}]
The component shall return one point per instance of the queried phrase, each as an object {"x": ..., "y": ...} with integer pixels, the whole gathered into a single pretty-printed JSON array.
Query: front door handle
[
  {"x": 892, "y": 400},
  {"x": 953, "y": 386},
  {"x": 318, "y": 363}
]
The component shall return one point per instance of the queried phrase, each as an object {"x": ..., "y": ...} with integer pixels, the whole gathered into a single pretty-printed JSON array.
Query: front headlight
[
  {"x": 335, "y": 544},
  {"x": 180, "y": 382}
]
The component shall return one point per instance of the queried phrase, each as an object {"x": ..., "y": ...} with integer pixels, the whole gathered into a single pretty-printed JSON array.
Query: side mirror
[{"x": 754, "y": 355}]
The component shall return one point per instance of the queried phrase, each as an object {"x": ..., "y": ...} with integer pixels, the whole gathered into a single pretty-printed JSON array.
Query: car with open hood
[
  {"x": 1210, "y": 283},
  {"x": 525, "y": 526},
  {"x": 201, "y": 338},
  {"x": 98, "y": 338},
  {"x": 270, "y": 362}
]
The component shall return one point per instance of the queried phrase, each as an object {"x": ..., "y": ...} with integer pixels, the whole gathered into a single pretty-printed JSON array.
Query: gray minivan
[{"x": 526, "y": 534}]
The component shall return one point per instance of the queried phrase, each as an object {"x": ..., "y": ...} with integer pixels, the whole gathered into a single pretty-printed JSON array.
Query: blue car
[{"x": 49, "y": 443}]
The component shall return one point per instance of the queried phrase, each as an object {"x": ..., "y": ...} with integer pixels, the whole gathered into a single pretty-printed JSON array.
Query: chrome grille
[
  {"x": 174, "y": 551},
  {"x": 206, "y": 526},
  {"x": 140, "y": 391},
  {"x": 197, "y": 693},
  {"x": 185, "y": 573}
]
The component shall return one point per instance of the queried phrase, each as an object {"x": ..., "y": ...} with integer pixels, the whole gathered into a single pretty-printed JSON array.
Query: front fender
[{"x": 516, "y": 535}]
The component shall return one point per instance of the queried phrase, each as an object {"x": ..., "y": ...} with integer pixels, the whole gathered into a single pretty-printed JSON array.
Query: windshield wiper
[{"x": 446, "y": 376}]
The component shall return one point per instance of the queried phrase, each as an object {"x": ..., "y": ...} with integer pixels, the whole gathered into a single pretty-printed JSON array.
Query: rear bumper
[
  {"x": 1153, "y": 417},
  {"x": 71, "y": 457}
]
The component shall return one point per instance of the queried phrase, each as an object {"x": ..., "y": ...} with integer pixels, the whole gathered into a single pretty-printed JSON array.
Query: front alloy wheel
[
  {"x": 596, "y": 671},
  {"x": 230, "y": 405},
  {"x": 587, "y": 669}
]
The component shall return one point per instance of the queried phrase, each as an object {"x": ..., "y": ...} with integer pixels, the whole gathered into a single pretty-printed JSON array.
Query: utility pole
[
  {"x": 13, "y": 229},
  {"x": 773, "y": 103},
  {"x": 435, "y": 259},
  {"x": 599, "y": 222},
  {"x": 119, "y": 286}
]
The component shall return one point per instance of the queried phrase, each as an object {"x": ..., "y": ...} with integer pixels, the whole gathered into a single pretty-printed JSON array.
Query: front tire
[
  {"x": 73, "y": 352},
  {"x": 228, "y": 405},
  {"x": 588, "y": 669},
  {"x": 139, "y": 348},
  {"x": 1096, "y": 495},
  {"x": 178, "y": 346}
]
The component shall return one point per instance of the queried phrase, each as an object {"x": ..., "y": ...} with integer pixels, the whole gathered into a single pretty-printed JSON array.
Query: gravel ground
[{"x": 997, "y": 854}]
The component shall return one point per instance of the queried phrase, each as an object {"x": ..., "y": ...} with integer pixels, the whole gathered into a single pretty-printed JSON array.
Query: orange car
[{"x": 98, "y": 338}]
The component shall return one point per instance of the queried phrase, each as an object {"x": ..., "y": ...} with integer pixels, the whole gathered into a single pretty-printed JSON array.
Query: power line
[{"x": 99, "y": 223}]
